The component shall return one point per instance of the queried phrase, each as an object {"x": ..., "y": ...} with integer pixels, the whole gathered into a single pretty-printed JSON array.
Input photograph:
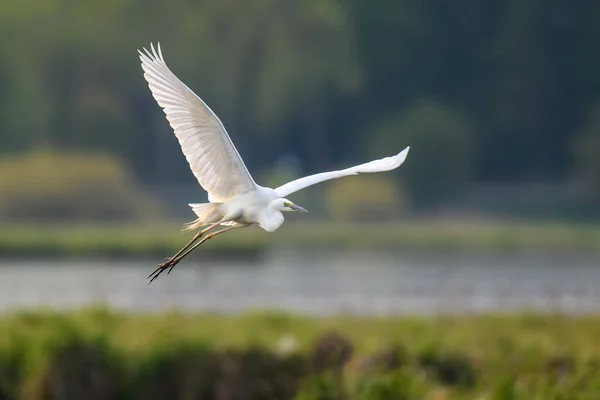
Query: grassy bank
[
  {"x": 103, "y": 355},
  {"x": 163, "y": 240}
]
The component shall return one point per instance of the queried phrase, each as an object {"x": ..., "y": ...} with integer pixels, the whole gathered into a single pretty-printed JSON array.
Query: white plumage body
[{"x": 242, "y": 210}]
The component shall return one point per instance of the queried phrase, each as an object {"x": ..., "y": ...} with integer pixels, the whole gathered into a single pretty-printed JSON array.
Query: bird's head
[{"x": 286, "y": 205}]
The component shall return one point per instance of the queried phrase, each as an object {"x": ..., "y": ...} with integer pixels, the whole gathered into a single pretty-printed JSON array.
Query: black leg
[
  {"x": 161, "y": 267},
  {"x": 204, "y": 239}
]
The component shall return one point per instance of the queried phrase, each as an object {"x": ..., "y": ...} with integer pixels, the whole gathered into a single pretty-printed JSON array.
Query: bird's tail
[{"x": 208, "y": 213}]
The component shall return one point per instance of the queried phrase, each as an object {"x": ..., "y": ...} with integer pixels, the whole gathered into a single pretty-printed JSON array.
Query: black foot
[{"x": 167, "y": 265}]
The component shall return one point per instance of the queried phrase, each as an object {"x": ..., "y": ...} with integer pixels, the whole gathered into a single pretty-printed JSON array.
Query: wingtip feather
[
  {"x": 152, "y": 55},
  {"x": 159, "y": 51},
  {"x": 402, "y": 155}
]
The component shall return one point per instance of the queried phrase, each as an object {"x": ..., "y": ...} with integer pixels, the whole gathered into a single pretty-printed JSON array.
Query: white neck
[{"x": 271, "y": 219}]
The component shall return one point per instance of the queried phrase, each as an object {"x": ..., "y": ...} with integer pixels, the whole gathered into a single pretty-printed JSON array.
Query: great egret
[{"x": 235, "y": 200}]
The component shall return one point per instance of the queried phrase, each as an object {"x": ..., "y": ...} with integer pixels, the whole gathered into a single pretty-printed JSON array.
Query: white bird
[{"x": 235, "y": 200}]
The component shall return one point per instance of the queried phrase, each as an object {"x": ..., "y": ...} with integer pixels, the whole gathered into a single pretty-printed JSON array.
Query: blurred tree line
[{"x": 483, "y": 91}]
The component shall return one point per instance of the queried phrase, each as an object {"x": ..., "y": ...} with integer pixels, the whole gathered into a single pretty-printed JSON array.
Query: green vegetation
[
  {"x": 161, "y": 240},
  {"x": 440, "y": 156},
  {"x": 47, "y": 185},
  {"x": 364, "y": 198},
  {"x": 107, "y": 355}
]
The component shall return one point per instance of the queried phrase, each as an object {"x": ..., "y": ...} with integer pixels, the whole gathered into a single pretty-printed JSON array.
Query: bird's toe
[
  {"x": 159, "y": 270},
  {"x": 172, "y": 265}
]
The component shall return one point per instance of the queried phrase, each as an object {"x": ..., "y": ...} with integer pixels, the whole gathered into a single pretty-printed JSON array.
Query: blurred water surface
[{"x": 315, "y": 283}]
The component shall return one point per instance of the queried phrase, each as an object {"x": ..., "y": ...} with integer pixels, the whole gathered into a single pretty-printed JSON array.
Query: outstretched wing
[
  {"x": 204, "y": 141},
  {"x": 384, "y": 164}
]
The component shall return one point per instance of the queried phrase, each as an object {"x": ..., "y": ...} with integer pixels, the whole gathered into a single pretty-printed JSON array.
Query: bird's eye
[{"x": 287, "y": 204}]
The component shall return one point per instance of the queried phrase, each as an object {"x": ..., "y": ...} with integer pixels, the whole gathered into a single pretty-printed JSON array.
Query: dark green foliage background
[{"x": 508, "y": 89}]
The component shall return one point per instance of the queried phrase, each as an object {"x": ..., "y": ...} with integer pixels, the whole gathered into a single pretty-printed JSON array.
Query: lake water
[{"x": 315, "y": 283}]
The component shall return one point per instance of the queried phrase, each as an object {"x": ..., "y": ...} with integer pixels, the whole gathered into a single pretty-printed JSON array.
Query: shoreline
[{"x": 160, "y": 240}]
